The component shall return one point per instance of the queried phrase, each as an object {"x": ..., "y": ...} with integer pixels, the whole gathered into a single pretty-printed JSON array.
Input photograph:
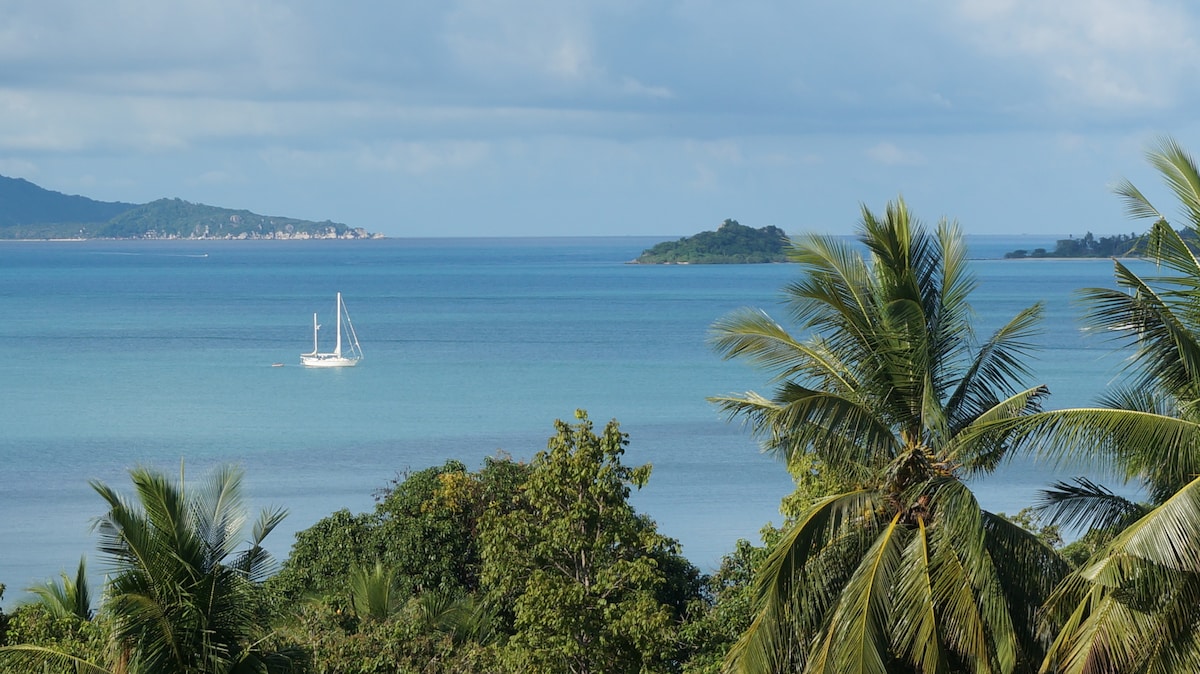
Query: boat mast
[
  {"x": 315, "y": 328},
  {"x": 337, "y": 350}
]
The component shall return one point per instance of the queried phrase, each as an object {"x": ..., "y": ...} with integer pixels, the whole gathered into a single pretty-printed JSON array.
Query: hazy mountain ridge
[{"x": 28, "y": 211}]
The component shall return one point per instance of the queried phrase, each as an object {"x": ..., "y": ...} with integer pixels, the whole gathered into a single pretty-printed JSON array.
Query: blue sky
[{"x": 615, "y": 117}]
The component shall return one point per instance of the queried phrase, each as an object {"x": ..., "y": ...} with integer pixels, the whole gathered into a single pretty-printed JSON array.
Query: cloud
[
  {"x": 1111, "y": 54},
  {"x": 889, "y": 154}
]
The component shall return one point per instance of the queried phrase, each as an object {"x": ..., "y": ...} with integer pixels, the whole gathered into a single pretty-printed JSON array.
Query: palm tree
[
  {"x": 67, "y": 596},
  {"x": 374, "y": 592},
  {"x": 181, "y": 597},
  {"x": 901, "y": 569},
  {"x": 1135, "y": 606}
]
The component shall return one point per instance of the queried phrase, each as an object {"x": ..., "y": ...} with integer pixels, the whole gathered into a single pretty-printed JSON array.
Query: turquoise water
[{"x": 126, "y": 353}]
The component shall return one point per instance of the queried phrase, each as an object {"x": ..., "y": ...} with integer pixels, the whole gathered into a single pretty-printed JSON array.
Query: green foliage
[
  {"x": 182, "y": 596},
  {"x": 1132, "y": 603},
  {"x": 3, "y": 620},
  {"x": 578, "y": 566},
  {"x": 1031, "y": 520},
  {"x": 1118, "y": 245},
  {"x": 892, "y": 397},
  {"x": 732, "y": 243},
  {"x": 725, "y": 609},
  {"x": 373, "y": 592},
  {"x": 407, "y": 643},
  {"x": 323, "y": 556},
  {"x": 69, "y": 596},
  {"x": 423, "y": 534},
  {"x": 175, "y": 218},
  {"x": 38, "y": 625}
]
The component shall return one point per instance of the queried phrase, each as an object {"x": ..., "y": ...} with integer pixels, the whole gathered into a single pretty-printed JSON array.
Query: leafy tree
[
  {"x": 36, "y": 635},
  {"x": 423, "y": 531},
  {"x": 324, "y": 555},
  {"x": 902, "y": 570},
  {"x": 726, "y": 607},
  {"x": 578, "y": 566}
]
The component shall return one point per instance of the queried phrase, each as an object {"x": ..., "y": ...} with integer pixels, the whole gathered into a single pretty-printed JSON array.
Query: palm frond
[
  {"x": 24, "y": 657},
  {"x": 858, "y": 639},
  {"x": 788, "y": 592},
  {"x": 1166, "y": 348},
  {"x": 1074, "y": 435},
  {"x": 975, "y": 617},
  {"x": 979, "y": 446},
  {"x": 753, "y": 335},
  {"x": 68, "y": 597},
  {"x": 374, "y": 592},
  {"x": 1179, "y": 172},
  {"x": 916, "y": 636},
  {"x": 1085, "y": 503},
  {"x": 1137, "y": 206},
  {"x": 998, "y": 365},
  {"x": 798, "y": 420},
  {"x": 1169, "y": 535}
]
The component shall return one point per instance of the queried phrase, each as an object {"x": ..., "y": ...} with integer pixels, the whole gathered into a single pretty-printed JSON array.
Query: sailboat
[{"x": 353, "y": 352}]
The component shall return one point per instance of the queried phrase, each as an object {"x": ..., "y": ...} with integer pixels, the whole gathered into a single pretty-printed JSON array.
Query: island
[
  {"x": 732, "y": 243},
  {"x": 31, "y": 212},
  {"x": 1120, "y": 245}
]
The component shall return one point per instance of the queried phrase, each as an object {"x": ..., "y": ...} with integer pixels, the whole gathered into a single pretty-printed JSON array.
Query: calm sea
[{"x": 119, "y": 354}]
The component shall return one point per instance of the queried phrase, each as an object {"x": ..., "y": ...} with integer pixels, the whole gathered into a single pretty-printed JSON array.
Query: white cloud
[
  {"x": 546, "y": 41},
  {"x": 1116, "y": 54},
  {"x": 890, "y": 154}
]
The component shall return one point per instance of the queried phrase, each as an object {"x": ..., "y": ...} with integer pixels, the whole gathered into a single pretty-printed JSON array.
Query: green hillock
[
  {"x": 732, "y": 243},
  {"x": 31, "y": 212},
  {"x": 178, "y": 219}
]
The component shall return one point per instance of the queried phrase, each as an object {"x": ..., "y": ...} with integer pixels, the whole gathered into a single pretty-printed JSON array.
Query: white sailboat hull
[{"x": 326, "y": 360}]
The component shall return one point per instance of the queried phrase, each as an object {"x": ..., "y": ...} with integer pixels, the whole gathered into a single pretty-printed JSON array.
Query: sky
[{"x": 606, "y": 118}]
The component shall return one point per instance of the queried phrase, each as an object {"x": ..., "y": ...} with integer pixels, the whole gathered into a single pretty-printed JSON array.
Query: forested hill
[
  {"x": 28, "y": 211},
  {"x": 732, "y": 243}
]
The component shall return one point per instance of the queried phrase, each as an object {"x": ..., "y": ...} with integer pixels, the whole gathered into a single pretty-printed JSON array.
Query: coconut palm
[
  {"x": 1135, "y": 606},
  {"x": 374, "y": 592},
  {"x": 67, "y": 596},
  {"x": 901, "y": 570},
  {"x": 182, "y": 594},
  {"x": 181, "y": 598}
]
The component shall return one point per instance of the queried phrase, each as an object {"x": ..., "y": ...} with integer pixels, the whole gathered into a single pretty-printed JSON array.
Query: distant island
[
  {"x": 1120, "y": 245},
  {"x": 31, "y": 212},
  {"x": 732, "y": 243}
]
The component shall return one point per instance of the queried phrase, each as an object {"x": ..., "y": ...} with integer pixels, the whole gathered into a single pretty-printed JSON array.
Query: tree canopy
[{"x": 731, "y": 243}]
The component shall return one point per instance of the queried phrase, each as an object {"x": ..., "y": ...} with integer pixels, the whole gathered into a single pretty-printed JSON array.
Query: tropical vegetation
[
  {"x": 1088, "y": 245},
  {"x": 898, "y": 569},
  {"x": 31, "y": 212},
  {"x": 731, "y": 243},
  {"x": 885, "y": 406},
  {"x": 1132, "y": 606}
]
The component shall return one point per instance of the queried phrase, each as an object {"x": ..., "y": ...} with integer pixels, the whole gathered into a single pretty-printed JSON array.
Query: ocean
[{"x": 161, "y": 353}]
